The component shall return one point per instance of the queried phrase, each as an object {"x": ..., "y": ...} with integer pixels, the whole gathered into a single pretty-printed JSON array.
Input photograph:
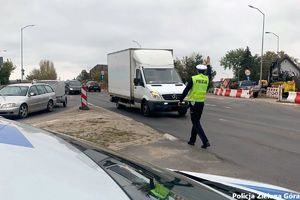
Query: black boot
[
  {"x": 204, "y": 146},
  {"x": 191, "y": 143}
]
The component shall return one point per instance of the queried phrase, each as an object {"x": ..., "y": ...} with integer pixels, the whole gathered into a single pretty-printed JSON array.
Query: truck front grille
[{"x": 171, "y": 96}]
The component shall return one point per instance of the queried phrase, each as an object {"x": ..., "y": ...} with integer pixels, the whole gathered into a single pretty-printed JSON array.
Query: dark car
[
  {"x": 93, "y": 86},
  {"x": 73, "y": 87}
]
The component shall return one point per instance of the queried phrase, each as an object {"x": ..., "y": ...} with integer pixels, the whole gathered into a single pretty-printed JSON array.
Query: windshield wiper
[{"x": 228, "y": 190}]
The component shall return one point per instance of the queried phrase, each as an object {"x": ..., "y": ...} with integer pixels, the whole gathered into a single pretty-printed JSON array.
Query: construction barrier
[
  {"x": 239, "y": 93},
  {"x": 84, "y": 102},
  {"x": 294, "y": 97},
  {"x": 232, "y": 93},
  {"x": 227, "y": 92},
  {"x": 216, "y": 91},
  {"x": 245, "y": 94},
  {"x": 221, "y": 92},
  {"x": 273, "y": 92}
]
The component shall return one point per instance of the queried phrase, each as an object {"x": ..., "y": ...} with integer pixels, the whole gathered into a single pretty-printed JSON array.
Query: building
[
  {"x": 99, "y": 73},
  {"x": 283, "y": 70}
]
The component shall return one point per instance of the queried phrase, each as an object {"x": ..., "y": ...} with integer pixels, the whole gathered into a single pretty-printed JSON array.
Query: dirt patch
[{"x": 99, "y": 126}]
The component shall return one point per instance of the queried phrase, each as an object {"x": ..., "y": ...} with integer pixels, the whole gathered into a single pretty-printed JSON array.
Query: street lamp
[
  {"x": 137, "y": 43},
  {"x": 22, "y": 70},
  {"x": 262, "y": 41},
  {"x": 268, "y": 32}
]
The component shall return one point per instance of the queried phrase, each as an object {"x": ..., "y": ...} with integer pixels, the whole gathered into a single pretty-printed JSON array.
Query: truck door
[{"x": 139, "y": 87}]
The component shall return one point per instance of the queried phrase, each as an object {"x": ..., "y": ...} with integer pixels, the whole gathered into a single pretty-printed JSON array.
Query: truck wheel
[
  {"x": 145, "y": 109},
  {"x": 118, "y": 105},
  {"x": 23, "y": 111},
  {"x": 182, "y": 112}
]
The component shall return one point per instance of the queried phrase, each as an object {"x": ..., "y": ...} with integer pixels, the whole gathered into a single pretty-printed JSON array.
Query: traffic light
[{"x": 22, "y": 71}]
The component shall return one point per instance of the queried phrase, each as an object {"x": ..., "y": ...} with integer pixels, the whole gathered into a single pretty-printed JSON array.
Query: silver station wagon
[{"x": 21, "y": 99}]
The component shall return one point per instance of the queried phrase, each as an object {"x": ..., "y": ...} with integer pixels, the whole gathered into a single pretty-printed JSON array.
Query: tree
[
  {"x": 186, "y": 67},
  {"x": 248, "y": 62},
  {"x": 83, "y": 76},
  {"x": 46, "y": 71},
  {"x": 5, "y": 72},
  {"x": 232, "y": 60},
  {"x": 95, "y": 75},
  {"x": 268, "y": 58},
  {"x": 239, "y": 60}
]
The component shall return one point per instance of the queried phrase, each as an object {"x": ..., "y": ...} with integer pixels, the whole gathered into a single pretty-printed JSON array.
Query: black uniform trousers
[{"x": 196, "y": 112}]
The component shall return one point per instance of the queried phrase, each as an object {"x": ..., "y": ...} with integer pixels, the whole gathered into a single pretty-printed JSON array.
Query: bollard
[
  {"x": 84, "y": 102},
  {"x": 280, "y": 93}
]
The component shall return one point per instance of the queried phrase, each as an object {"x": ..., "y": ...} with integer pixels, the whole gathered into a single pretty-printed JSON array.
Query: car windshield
[
  {"x": 161, "y": 75},
  {"x": 14, "y": 91},
  {"x": 141, "y": 181},
  {"x": 92, "y": 83},
  {"x": 75, "y": 83}
]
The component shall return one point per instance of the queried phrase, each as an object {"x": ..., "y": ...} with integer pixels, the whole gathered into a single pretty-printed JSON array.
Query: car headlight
[
  {"x": 71, "y": 88},
  {"x": 154, "y": 94},
  {"x": 8, "y": 105}
]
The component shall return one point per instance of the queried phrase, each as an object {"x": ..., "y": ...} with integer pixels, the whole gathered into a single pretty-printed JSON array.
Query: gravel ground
[{"x": 99, "y": 126}]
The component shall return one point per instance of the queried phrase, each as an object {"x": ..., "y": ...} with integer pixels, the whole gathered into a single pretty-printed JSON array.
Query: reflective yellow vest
[{"x": 199, "y": 89}]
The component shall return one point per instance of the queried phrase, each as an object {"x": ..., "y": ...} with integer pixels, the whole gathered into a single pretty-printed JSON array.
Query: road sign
[
  {"x": 247, "y": 72},
  {"x": 101, "y": 77}
]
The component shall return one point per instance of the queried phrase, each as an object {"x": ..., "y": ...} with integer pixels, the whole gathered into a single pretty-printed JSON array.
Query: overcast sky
[{"x": 78, "y": 34}]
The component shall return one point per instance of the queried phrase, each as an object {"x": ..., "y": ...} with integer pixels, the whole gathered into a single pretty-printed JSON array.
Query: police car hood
[
  {"x": 263, "y": 190},
  {"x": 38, "y": 165}
]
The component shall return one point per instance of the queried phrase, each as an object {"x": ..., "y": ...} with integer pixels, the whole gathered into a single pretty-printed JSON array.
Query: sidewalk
[{"x": 136, "y": 140}]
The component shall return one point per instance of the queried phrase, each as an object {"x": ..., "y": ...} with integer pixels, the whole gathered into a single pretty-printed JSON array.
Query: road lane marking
[
  {"x": 212, "y": 105},
  {"x": 228, "y": 107},
  {"x": 223, "y": 120},
  {"x": 170, "y": 137}
]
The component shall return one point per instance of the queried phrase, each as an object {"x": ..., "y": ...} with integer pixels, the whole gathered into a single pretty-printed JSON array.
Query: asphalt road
[{"x": 260, "y": 136}]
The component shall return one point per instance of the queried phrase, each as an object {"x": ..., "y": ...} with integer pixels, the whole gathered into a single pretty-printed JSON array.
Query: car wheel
[
  {"x": 23, "y": 111},
  {"x": 146, "y": 109},
  {"x": 50, "y": 106}
]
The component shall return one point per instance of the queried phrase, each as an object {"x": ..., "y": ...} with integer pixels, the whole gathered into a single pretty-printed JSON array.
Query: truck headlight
[
  {"x": 154, "y": 94},
  {"x": 8, "y": 105}
]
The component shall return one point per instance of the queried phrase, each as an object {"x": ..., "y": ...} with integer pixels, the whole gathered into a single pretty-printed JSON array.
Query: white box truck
[{"x": 145, "y": 79}]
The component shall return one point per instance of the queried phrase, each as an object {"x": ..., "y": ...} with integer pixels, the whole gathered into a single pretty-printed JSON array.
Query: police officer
[{"x": 195, "y": 91}]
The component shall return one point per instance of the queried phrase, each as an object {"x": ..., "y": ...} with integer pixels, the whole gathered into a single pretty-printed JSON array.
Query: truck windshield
[{"x": 161, "y": 76}]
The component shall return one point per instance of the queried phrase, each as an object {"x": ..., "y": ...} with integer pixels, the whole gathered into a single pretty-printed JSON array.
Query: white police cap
[{"x": 201, "y": 67}]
